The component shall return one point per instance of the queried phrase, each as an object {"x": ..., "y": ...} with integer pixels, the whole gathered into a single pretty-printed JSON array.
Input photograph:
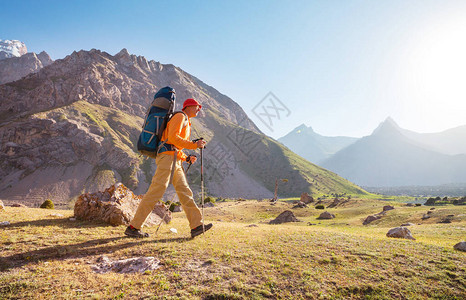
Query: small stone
[
  {"x": 56, "y": 215},
  {"x": 72, "y": 219},
  {"x": 388, "y": 207},
  {"x": 432, "y": 208},
  {"x": 252, "y": 225},
  {"x": 326, "y": 216},
  {"x": 371, "y": 218},
  {"x": 173, "y": 230},
  {"x": 18, "y": 205},
  {"x": 425, "y": 217},
  {"x": 306, "y": 199},
  {"x": 407, "y": 224},
  {"x": 284, "y": 217},
  {"x": 461, "y": 246},
  {"x": 5, "y": 223}
]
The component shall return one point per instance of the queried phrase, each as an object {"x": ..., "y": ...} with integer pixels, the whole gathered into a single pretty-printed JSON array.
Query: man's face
[{"x": 192, "y": 110}]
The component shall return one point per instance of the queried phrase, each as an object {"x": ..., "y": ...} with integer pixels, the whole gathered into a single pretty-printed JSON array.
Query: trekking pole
[{"x": 202, "y": 188}]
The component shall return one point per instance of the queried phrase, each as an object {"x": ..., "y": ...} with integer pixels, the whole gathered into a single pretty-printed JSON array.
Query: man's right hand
[{"x": 200, "y": 143}]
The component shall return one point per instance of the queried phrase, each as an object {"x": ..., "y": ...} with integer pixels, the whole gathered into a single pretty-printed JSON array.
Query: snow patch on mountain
[{"x": 12, "y": 48}]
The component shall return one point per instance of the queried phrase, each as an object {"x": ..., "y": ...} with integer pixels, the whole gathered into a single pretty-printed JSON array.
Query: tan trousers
[{"x": 157, "y": 189}]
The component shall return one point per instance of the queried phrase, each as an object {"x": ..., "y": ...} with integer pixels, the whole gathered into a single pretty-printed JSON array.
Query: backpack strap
[{"x": 164, "y": 146}]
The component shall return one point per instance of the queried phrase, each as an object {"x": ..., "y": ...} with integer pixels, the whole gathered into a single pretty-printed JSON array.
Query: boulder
[
  {"x": 2, "y": 207},
  {"x": 116, "y": 206},
  {"x": 306, "y": 199},
  {"x": 371, "y": 218},
  {"x": 284, "y": 217},
  {"x": 326, "y": 216},
  {"x": 461, "y": 246},
  {"x": 400, "y": 232},
  {"x": 388, "y": 207},
  {"x": 177, "y": 208}
]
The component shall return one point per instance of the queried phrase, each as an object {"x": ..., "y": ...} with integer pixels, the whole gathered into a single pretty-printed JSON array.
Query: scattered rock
[
  {"x": 388, "y": 207},
  {"x": 326, "y": 216},
  {"x": 460, "y": 246},
  {"x": 429, "y": 212},
  {"x": 116, "y": 206},
  {"x": 72, "y": 219},
  {"x": 56, "y": 215},
  {"x": 450, "y": 216},
  {"x": 130, "y": 265},
  {"x": 252, "y": 225},
  {"x": 371, "y": 218},
  {"x": 4, "y": 223},
  {"x": 284, "y": 217},
  {"x": 209, "y": 204},
  {"x": 2, "y": 207},
  {"x": 310, "y": 224},
  {"x": 410, "y": 204},
  {"x": 445, "y": 221},
  {"x": 407, "y": 224},
  {"x": 306, "y": 199},
  {"x": 425, "y": 217},
  {"x": 400, "y": 232},
  {"x": 300, "y": 205},
  {"x": 18, "y": 205},
  {"x": 173, "y": 230},
  {"x": 432, "y": 208}
]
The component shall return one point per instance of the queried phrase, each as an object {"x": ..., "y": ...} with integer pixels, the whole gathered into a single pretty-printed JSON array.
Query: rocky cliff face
[
  {"x": 72, "y": 127},
  {"x": 14, "y": 68}
]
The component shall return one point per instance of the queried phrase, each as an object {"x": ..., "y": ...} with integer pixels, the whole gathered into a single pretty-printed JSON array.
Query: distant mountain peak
[
  {"x": 12, "y": 48},
  {"x": 387, "y": 126},
  {"x": 303, "y": 128}
]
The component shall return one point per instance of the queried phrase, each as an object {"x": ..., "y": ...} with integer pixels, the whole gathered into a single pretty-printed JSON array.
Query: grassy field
[{"x": 45, "y": 255}]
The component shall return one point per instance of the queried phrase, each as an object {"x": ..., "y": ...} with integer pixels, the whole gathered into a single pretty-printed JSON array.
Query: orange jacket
[{"x": 178, "y": 136}]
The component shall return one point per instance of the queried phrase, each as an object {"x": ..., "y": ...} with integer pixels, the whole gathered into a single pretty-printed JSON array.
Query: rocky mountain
[
  {"x": 14, "y": 68},
  {"x": 12, "y": 48},
  {"x": 390, "y": 158},
  {"x": 72, "y": 128},
  {"x": 312, "y": 146}
]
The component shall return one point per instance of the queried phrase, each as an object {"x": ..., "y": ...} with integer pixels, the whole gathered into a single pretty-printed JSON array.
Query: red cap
[{"x": 190, "y": 102}]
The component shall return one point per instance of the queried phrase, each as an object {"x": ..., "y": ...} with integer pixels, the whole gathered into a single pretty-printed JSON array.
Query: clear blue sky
[{"x": 341, "y": 67}]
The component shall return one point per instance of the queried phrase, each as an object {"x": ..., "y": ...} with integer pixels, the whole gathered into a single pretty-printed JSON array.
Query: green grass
[{"x": 50, "y": 257}]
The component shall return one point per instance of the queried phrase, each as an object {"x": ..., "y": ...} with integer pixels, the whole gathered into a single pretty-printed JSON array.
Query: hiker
[{"x": 169, "y": 166}]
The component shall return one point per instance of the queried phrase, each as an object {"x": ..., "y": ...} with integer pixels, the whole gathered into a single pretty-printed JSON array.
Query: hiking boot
[
  {"x": 133, "y": 232},
  {"x": 198, "y": 230}
]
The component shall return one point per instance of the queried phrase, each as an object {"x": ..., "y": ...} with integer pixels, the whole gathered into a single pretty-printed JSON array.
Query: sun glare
[{"x": 436, "y": 72}]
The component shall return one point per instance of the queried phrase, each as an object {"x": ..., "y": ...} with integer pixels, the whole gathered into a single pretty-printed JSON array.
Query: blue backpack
[{"x": 157, "y": 117}]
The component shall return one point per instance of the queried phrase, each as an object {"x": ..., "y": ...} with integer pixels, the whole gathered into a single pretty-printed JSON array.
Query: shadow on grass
[
  {"x": 89, "y": 248},
  {"x": 60, "y": 222}
]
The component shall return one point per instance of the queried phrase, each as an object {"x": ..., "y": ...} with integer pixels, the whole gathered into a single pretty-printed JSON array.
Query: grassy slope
[{"x": 47, "y": 256}]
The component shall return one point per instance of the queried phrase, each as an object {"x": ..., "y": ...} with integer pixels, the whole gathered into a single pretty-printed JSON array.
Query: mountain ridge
[{"x": 79, "y": 118}]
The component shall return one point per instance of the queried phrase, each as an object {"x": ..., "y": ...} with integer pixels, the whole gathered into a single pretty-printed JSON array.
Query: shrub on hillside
[
  {"x": 320, "y": 206},
  {"x": 48, "y": 204},
  {"x": 209, "y": 199}
]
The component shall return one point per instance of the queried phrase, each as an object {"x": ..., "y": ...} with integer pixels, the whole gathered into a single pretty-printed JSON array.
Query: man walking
[{"x": 169, "y": 167}]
